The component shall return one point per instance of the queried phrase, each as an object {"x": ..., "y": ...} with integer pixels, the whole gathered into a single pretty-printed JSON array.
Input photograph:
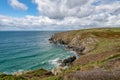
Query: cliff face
[
  {"x": 79, "y": 41},
  {"x": 91, "y": 41},
  {"x": 101, "y": 48},
  {"x": 83, "y": 41}
]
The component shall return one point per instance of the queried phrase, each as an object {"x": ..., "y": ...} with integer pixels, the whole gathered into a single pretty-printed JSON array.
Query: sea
[{"x": 29, "y": 50}]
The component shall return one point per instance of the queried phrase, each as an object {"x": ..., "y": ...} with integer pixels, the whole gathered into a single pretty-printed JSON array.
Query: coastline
[{"x": 99, "y": 52}]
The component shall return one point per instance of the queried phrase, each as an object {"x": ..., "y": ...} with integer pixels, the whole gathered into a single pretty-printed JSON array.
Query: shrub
[{"x": 96, "y": 74}]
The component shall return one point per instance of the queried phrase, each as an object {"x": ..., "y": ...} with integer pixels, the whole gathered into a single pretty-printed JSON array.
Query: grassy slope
[
  {"x": 105, "y": 57},
  {"x": 106, "y": 54}
]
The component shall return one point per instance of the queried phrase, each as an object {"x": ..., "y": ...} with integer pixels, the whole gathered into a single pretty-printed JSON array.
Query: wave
[
  {"x": 54, "y": 62},
  {"x": 47, "y": 63}
]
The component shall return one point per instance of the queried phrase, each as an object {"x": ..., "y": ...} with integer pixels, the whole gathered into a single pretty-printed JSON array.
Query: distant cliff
[
  {"x": 84, "y": 41},
  {"x": 79, "y": 41}
]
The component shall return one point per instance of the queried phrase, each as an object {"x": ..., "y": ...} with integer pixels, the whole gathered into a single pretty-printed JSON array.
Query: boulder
[
  {"x": 68, "y": 61},
  {"x": 57, "y": 70}
]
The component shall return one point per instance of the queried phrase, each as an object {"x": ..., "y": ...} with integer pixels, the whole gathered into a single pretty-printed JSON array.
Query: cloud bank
[{"x": 68, "y": 14}]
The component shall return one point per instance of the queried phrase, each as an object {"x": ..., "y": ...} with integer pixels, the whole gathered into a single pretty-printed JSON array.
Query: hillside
[
  {"x": 99, "y": 56},
  {"x": 99, "y": 51}
]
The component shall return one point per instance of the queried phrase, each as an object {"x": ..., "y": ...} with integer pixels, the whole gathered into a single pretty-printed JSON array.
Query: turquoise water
[{"x": 29, "y": 50}]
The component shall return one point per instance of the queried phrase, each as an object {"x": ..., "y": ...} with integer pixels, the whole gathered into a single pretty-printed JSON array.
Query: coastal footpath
[{"x": 99, "y": 56}]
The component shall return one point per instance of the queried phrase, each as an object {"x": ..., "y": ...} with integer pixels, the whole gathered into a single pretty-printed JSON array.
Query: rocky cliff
[
  {"x": 79, "y": 41},
  {"x": 83, "y": 41},
  {"x": 101, "y": 49}
]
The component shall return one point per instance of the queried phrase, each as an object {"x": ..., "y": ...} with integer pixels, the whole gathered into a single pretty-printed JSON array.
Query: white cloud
[
  {"x": 67, "y": 14},
  {"x": 17, "y": 5},
  {"x": 76, "y": 8},
  {"x": 63, "y": 8},
  {"x": 45, "y": 23}
]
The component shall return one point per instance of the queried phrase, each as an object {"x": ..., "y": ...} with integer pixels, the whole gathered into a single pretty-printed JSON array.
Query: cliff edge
[{"x": 99, "y": 51}]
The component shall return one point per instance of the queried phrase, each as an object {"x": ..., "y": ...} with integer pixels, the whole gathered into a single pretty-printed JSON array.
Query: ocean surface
[{"x": 29, "y": 50}]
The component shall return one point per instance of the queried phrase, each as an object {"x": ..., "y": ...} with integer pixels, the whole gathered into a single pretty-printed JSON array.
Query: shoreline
[
  {"x": 22, "y": 71},
  {"x": 76, "y": 50}
]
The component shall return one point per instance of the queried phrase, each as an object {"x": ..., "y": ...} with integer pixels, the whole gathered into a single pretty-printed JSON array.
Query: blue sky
[
  {"x": 6, "y": 9},
  {"x": 58, "y": 14}
]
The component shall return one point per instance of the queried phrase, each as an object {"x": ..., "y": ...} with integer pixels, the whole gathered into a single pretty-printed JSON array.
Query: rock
[
  {"x": 79, "y": 41},
  {"x": 57, "y": 70},
  {"x": 51, "y": 40},
  {"x": 68, "y": 61},
  {"x": 64, "y": 64}
]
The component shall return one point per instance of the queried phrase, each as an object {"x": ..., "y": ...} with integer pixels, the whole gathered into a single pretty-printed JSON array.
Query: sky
[{"x": 58, "y": 14}]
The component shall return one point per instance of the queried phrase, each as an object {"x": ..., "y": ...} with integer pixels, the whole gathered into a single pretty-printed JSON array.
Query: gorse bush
[{"x": 96, "y": 74}]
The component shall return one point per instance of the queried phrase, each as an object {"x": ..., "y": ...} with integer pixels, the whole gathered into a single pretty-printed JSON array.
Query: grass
[
  {"x": 93, "y": 65},
  {"x": 105, "y": 45},
  {"x": 11, "y": 77},
  {"x": 38, "y": 72},
  {"x": 53, "y": 78},
  {"x": 30, "y": 75},
  {"x": 117, "y": 55}
]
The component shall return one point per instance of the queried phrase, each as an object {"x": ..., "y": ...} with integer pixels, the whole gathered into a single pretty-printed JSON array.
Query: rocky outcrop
[
  {"x": 63, "y": 65},
  {"x": 80, "y": 42},
  {"x": 68, "y": 61},
  {"x": 57, "y": 70}
]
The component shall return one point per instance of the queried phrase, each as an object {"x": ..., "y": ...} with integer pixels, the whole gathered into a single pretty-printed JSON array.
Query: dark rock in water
[
  {"x": 61, "y": 42},
  {"x": 69, "y": 47},
  {"x": 68, "y": 61},
  {"x": 78, "y": 50},
  {"x": 51, "y": 40}
]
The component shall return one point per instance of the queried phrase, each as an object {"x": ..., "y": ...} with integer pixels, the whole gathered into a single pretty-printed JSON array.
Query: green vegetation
[
  {"x": 53, "y": 78},
  {"x": 93, "y": 65},
  {"x": 10, "y": 77},
  {"x": 117, "y": 55},
  {"x": 30, "y": 75},
  {"x": 106, "y": 45},
  {"x": 38, "y": 72},
  {"x": 103, "y": 49}
]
